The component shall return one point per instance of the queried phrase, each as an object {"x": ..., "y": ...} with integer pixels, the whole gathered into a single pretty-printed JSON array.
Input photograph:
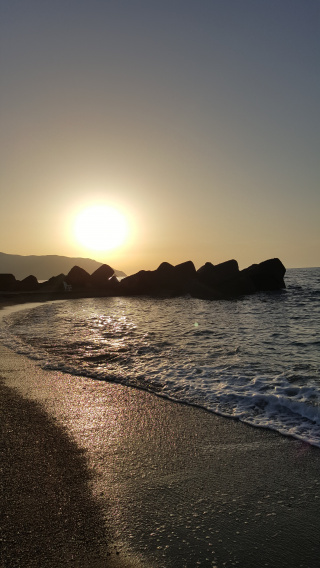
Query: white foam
[{"x": 243, "y": 359}]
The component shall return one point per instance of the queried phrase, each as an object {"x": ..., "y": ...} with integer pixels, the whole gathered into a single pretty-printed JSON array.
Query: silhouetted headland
[
  {"x": 44, "y": 266},
  {"x": 210, "y": 282}
]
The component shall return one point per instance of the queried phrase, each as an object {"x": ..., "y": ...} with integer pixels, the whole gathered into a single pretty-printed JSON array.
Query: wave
[{"x": 252, "y": 360}]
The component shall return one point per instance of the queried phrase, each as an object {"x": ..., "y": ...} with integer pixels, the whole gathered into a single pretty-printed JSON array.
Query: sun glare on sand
[{"x": 101, "y": 227}]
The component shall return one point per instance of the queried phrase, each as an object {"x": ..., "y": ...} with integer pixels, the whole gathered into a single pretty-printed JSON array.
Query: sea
[{"x": 255, "y": 359}]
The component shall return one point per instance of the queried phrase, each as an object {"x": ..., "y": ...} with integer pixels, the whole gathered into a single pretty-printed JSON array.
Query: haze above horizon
[{"x": 198, "y": 122}]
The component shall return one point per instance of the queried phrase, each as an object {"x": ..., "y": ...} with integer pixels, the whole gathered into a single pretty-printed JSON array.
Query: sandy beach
[{"x": 97, "y": 474}]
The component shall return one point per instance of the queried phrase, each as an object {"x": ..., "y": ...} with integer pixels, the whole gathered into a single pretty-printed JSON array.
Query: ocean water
[{"x": 256, "y": 359}]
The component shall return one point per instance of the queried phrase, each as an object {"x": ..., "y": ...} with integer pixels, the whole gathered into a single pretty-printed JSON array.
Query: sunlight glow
[{"x": 101, "y": 227}]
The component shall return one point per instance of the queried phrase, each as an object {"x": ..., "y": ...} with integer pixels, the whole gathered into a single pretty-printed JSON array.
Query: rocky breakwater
[
  {"x": 102, "y": 280},
  {"x": 77, "y": 283},
  {"x": 212, "y": 282},
  {"x": 8, "y": 283}
]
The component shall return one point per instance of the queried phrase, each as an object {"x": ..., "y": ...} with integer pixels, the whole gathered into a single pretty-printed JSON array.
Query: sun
[{"x": 100, "y": 227}]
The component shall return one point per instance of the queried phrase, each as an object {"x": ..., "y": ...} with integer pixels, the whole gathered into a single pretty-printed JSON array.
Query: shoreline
[
  {"x": 18, "y": 298},
  {"x": 50, "y": 519},
  {"x": 172, "y": 485}
]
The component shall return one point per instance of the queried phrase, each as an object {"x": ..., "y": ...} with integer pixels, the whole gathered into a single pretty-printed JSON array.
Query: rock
[
  {"x": 54, "y": 284},
  {"x": 203, "y": 292},
  {"x": 78, "y": 278},
  {"x": 267, "y": 276},
  {"x": 113, "y": 283},
  {"x": 165, "y": 275},
  {"x": 101, "y": 277},
  {"x": 8, "y": 283},
  {"x": 217, "y": 275},
  {"x": 28, "y": 284},
  {"x": 242, "y": 285},
  {"x": 222, "y": 281},
  {"x": 169, "y": 281},
  {"x": 176, "y": 279},
  {"x": 212, "y": 282},
  {"x": 165, "y": 280},
  {"x": 185, "y": 278},
  {"x": 143, "y": 282},
  {"x": 225, "y": 279},
  {"x": 185, "y": 271}
]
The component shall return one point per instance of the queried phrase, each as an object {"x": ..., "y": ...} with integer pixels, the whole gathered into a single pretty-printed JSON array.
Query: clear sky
[{"x": 198, "y": 120}]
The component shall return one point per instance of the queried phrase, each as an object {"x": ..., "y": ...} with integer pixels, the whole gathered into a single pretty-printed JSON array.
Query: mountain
[{"x": 43, "y": 267}]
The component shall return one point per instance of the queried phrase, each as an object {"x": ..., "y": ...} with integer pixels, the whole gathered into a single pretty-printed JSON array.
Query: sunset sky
[{"x": 198, "y": 121}]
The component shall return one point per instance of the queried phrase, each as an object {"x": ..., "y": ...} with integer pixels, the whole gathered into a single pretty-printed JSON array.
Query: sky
[{"x": 196, "y": 120}]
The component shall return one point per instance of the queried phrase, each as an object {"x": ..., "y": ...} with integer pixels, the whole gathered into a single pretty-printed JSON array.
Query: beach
[
  {"x": 159, "y": 284},
  {"x": 100, "y": 474}
]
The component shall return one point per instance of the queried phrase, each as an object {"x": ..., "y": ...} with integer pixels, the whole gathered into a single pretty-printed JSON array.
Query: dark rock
[
  {"x": 54, "y": 284},
  {"x": 168, "y": 280},
  {"x": 203, "y": 292},
  {"x": 165, "y": 275},
  {"x": 28, "y": 284},
  {"x": 143, "y": 282},
  {"x": 165, "y": 280},
  {"x": 8, "y": 283},
  {"x": 267, "y": 276},
  {"x": 185, "y": 270},
  {"x": 100, "y": 278},
  {"x": 113, "y": 283},
  {"x": 78, "y": 278},
  {"x": 226, "y": 279},
  {"x": 217, "y": 275},
  {"x": 175, "y": 279},
  {"x": 212, "y": 282},
  {"x": 185, "y": 278},
  {"x": 239, "y": 286}
]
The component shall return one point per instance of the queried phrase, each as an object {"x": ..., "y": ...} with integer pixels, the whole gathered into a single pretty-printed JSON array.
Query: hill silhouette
[{"x": 43, "y": 267}]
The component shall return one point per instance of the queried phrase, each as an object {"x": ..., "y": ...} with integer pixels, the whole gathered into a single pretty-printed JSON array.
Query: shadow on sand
[{"x": 49, "y": 517}]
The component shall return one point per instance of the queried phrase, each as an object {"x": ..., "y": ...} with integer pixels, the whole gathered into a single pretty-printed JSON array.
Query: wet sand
[
  {"x": 92, "y": 468},
  {"x": 49, "y": 518}
]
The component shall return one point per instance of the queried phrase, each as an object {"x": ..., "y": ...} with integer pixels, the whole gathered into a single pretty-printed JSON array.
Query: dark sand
[
  {"x": 91, "y": 466},
  {"x": 49, "y": 518}
]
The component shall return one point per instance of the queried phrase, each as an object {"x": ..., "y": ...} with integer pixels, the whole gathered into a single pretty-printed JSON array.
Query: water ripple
[{"x": 256, "y": 359}]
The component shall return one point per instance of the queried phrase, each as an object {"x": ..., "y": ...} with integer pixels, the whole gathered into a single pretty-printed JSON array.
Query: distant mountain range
[{"x": 43, "y": 267}]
